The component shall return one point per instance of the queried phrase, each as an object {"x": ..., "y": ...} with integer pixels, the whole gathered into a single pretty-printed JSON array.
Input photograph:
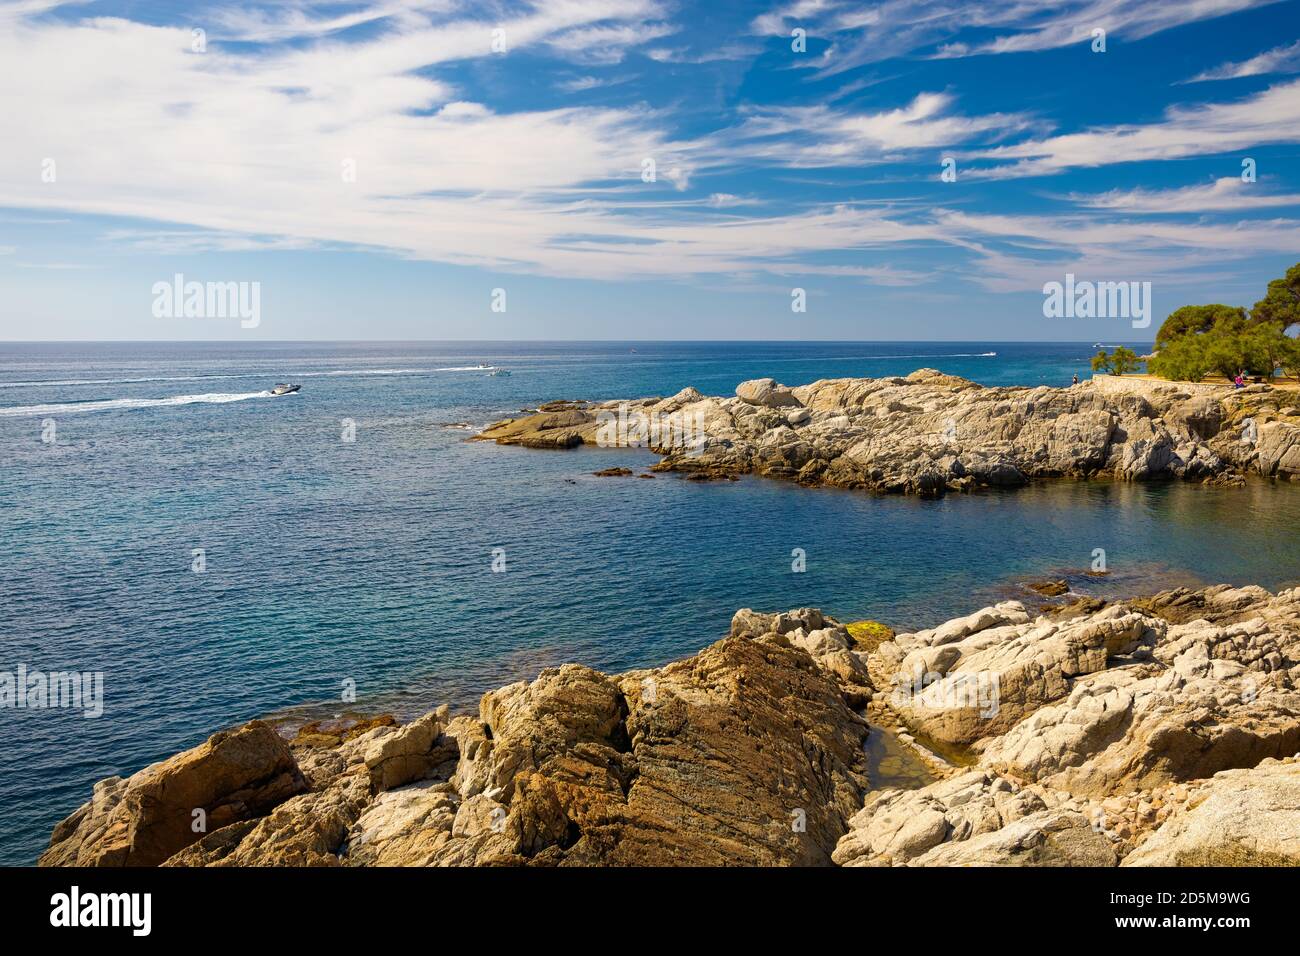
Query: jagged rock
[
  {"x": 1053, "y": 588},
  {"x": 1212, "y": 697},
  {"x": 980, "y": 675},
  {"x": 1279, "y": 449},
  {"x": 1239, "y": 818},
  {"x": 590, "y": 769},
  {"x": 234, "y": 776},
  {"x": 410, "y": 753},
  {"x": 409, "y": 826},
  {"x": 552, "y": 429},
  {"x": 578, "y": 767},
  {"x": 1046, "y": 838},
  {"x": 766, "y": 392},
  {"x": 1155, "y": 715},
  {"x": 930, "y": 433},
  {"x": 976, "y": 819},
  {"x": 306, "y": 830}
]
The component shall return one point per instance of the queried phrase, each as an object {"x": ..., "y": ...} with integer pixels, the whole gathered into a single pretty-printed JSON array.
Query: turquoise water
[{"x": 371, "y": 561}]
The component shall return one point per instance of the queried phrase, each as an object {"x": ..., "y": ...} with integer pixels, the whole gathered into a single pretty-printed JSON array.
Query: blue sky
[{"x": 523, "y": 167}]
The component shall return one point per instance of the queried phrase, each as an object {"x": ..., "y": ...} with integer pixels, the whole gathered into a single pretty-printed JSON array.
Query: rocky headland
[
  {"x": 1162, "y": 730},
  {"x": 929, "y": 433}
]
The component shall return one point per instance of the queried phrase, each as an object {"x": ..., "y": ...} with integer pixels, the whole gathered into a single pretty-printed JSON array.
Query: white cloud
[
  {"x": 869, "y": 33},
  {"x": 1282, "y": 59},
  {"x": 604, "y": 45},
  {"x": 1019, "y": 253},
  {"x": 240, "y": 150},
  {"x": 1272, "y": 116},
  {"x": 291, "y": 20},
  {"x": 1229, "y": 194},
  {"x": 818, "y": 136},
  {"x": 579, "y": 84}
]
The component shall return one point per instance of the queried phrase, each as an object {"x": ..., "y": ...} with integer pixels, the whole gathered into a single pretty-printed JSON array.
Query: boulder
[
  {"x": 234, "y": 776},
  {"x": 974, "y": 819},
  {"x": 410, "y": 753},
  {"x": 1239, "y": 818},
  {"x": 766, "y": 393}
]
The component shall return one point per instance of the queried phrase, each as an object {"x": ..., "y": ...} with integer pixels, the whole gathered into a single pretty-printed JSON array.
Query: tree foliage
[
  {"x": 1119, "y": 362},
  {"x": 1196, "y": 318},
  {"x": 1256, "y": 350},
  {"x": 1282, "y": 301},
  {"x": 1197, "y": 340}
]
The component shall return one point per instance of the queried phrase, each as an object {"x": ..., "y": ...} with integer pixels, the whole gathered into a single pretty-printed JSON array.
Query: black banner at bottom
[{"x": 339, "y": 905}]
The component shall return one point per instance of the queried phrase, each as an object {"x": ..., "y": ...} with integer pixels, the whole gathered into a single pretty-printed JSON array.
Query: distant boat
[
  {"x": 498, "y": 372},
  {"x": 284, "y": 389}
]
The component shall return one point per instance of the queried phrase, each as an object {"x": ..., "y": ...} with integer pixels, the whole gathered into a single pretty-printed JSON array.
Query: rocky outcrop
[
  {"x": 1239, "y": 818},
  {"x": 1155, "y": 730},
  {"x": 975, "y": 819},
  {"x": 141, "y": 821},
  {"x": 930, "y": 433},
  {"x": 745, "y": 754}
]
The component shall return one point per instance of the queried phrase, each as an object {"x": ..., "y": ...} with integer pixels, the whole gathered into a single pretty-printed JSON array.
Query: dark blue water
[{"x": 371, "y": 561}]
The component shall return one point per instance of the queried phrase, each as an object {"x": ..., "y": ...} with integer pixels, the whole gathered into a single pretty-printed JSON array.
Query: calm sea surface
[{"x": 371, "y": 561}]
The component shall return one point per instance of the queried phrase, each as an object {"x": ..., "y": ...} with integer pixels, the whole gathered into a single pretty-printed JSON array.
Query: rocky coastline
[
  {"x": 1154, "y": 731},
  {"x": 929, "y": 433}
]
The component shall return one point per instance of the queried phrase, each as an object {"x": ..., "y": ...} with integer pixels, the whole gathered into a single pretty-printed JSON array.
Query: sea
[{"x": 217, "y": 553}]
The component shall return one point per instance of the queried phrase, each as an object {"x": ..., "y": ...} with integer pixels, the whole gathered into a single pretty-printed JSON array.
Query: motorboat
[
  {"x": 284, "y": 389},
  {"x": 499, "y": 372}
]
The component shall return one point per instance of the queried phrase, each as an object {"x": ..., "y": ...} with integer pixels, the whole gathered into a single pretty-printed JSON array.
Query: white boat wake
[
  {"x": 111, "y": 404},
  {"x": 47, "y": 383}
]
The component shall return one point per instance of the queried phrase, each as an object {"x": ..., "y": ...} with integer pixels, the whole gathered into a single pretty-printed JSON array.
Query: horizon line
[{"x": 4, "y": 342}]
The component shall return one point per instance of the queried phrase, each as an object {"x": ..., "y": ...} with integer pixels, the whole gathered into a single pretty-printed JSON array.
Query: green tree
[
  {"x": 1183, "y": 360},
  {"x": 1191, "y": 319},
  {"x": 1119, "y": 362},
  {"x": 1281, "y": 303},
  {"x": 1198, "y": 339},
  {"x": 1124, "y": 360}
]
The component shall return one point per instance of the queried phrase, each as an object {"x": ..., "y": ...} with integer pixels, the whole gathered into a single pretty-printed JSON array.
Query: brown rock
[
  {"x": 234, "y": 776},
  {"x": 654, "y": 769},
  {"x": 1049, "y": 588}
]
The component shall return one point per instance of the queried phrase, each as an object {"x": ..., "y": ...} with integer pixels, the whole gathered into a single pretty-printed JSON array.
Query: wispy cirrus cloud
[
  {"x": 1281, "y": 59},
  {"x": 1227, "y": 194},
  {"x": 818, "y": 136},
  {"x": 292, "y": 21},
  {"x": 1272, "y": 116},
  {"x": 870, "y": 33},
  {"x": 1019, "y": 253},
  {"x": 319, "y": 135}
]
